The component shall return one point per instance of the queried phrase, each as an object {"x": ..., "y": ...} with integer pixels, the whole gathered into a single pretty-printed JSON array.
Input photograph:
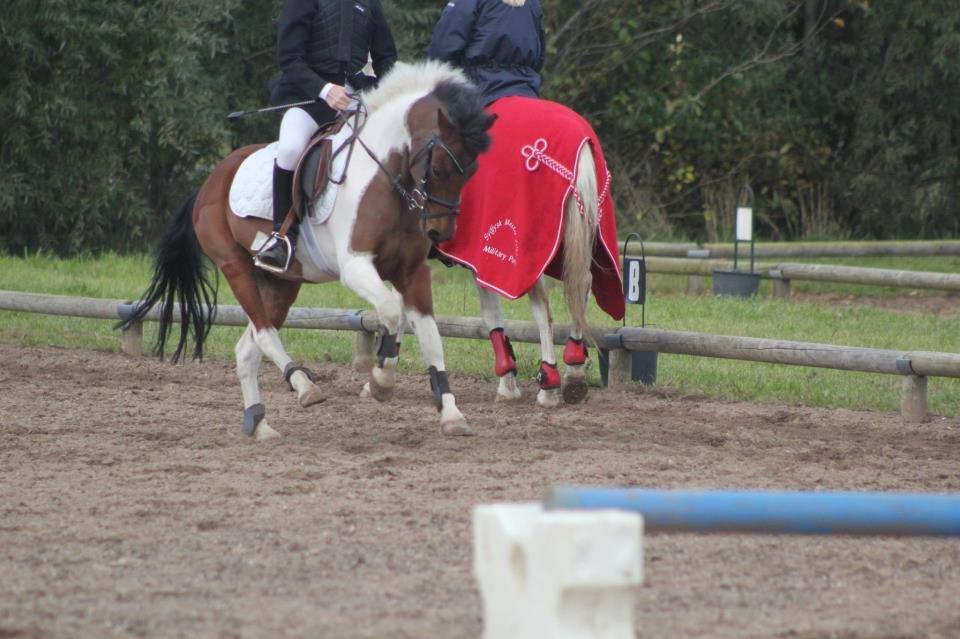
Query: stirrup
[{"x": 273, "y": 242}]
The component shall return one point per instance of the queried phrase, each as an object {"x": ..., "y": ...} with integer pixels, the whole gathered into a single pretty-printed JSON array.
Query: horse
[
  {"x": 424, "y": 128},
  {"x": 540, "y": 205}
]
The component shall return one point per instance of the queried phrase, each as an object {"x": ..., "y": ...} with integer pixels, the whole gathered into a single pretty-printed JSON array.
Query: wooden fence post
[
  {"x": 696, "y": 284},
  {"x": 913, "y": 399},
  {"x": 132, "y": 340},
  {"x": 619, "y": 369},
  {"x": 363, "y": 345},
  {"x": 781, "y": 285}
]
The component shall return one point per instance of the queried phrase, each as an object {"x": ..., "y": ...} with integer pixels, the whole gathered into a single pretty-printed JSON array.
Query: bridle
[{"x": 419, "y": 196}]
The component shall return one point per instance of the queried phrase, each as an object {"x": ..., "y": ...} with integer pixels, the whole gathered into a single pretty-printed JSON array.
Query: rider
[
  {"x": 498, "y": 43},
  {"x": 322, "y": 47}
]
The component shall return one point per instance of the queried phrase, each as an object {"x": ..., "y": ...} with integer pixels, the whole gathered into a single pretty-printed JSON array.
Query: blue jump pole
[{"x": 798, "y": 513}]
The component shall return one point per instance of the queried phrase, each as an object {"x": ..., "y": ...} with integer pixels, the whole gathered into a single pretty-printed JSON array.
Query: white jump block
[{"x": 559, "y": 574}]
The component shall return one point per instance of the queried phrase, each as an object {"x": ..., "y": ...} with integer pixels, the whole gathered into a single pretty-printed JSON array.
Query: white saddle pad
[{"x": 251, "y": 194}]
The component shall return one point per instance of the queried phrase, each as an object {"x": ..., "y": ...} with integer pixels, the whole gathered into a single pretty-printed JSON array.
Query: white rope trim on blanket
[
  {"x": 605, "y": 191},
  {"x": 536, "y": 153}
]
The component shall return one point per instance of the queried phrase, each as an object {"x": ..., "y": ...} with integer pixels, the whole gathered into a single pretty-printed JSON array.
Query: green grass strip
[{"x": 905, "y": 328}]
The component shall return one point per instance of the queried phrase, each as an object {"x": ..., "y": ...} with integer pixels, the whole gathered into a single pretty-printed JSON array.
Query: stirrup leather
[{"x": 275, "y": 239}]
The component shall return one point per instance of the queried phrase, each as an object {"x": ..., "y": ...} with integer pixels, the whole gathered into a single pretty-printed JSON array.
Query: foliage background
[{"x": 842, "y": 115}]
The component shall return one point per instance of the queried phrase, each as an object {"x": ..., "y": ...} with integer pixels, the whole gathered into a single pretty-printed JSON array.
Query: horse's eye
[{"x": 435, "y": 171}]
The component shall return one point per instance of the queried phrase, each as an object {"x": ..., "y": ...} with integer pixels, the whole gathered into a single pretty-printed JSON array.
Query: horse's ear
[{"x": 489, "y": 119}]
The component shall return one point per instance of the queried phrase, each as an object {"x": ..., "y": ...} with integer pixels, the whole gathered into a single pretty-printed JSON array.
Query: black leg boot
[{"x": 277, "y": 253}]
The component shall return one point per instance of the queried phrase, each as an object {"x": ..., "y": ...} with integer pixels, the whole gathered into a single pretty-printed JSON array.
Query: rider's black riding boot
[{"x": 277, "y": 253}]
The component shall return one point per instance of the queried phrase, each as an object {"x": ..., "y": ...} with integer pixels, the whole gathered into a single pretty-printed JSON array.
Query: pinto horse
[
  {"x": 425, "y": 127},
  {"x": 540, "y": 204}
]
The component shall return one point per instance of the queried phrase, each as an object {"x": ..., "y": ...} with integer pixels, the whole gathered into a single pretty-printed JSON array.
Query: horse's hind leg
[
  {"x": 575, "y": 368},
  {"x": 278, "y": 296},
  {"x": 505, "y": 364},
  {"x": 248, "y": 363},
  {"x": 580, "y": 233},
  {"x": 266, "y": 305},
  {"x": 549, "y": 376}
]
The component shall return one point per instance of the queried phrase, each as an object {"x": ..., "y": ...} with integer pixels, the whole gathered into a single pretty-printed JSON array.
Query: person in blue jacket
[{"x": 498, "y": 43}]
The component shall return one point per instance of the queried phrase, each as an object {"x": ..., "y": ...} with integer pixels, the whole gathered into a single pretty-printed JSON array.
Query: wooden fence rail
[
  {"x": 914, "y": 366},
  {"x": 893, "y": 248},
  {"x": 784, "y": 272}
]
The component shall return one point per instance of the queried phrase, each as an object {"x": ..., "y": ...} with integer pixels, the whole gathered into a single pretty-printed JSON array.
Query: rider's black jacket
[{"x": 321, "y": 41}]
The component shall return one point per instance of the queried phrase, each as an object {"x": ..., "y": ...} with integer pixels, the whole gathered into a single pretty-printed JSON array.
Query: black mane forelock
[{"x": 463, "y": 106}]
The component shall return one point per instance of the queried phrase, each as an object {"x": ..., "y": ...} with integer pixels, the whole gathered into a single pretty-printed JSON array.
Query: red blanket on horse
[{"x": 510, "y": 230}]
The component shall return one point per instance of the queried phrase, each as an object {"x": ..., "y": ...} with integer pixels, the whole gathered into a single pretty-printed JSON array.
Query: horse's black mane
[{"x": 463, "y": 105}]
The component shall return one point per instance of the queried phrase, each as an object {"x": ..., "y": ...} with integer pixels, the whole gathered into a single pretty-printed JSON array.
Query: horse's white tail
[{"x": 580, "y": 234}]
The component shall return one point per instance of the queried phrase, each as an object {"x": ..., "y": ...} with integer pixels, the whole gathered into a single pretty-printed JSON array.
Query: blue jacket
[{"x": 500, "y": 47}]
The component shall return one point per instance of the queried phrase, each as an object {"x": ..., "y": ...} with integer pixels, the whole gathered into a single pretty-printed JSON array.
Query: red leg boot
[
  {"x": 548, "y": 377},
  {"x": 506, "y": 360},
  {"x": 574, "y": 352},
  {"x": 574, "y": 374}
]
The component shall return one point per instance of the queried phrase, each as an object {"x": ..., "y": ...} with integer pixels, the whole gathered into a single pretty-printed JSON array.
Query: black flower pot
[{"x": 735, "y": 283}]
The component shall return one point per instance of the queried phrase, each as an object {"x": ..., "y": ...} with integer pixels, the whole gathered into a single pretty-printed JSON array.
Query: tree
[{"x": 105, "y": 115}]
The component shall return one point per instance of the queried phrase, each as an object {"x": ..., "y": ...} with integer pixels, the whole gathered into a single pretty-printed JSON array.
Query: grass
[{"x": 116, "y": 277}]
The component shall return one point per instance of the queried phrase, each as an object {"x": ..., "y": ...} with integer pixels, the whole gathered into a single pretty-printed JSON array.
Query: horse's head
[{"x": 448, "y": 130}]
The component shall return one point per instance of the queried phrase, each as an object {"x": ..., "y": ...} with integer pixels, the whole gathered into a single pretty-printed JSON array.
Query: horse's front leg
[
  {"x": 505, "y": 362},
  {"x": 418, "y": 299},
  {"x": 549, "y": 376},
  {"x": 360, "y": 275},
  {"x": 382, "y": 381}
]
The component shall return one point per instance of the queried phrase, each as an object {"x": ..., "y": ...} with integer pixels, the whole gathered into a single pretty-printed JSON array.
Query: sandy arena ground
[{"x": 131, "y": 505}]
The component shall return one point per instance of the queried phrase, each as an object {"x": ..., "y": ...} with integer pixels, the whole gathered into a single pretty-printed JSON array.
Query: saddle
[{"x": 312, "y": 173}]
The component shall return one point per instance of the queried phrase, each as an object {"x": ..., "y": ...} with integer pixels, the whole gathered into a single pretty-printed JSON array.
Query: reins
[{"x": 417, "y": 198}]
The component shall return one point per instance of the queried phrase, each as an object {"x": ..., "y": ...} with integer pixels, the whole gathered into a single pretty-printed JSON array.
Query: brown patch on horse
[
  {"x": 266, "y": 302},
  {"x": 212, "y": 218},
  {"x": 277, "y": 295},
  {"x": 417, "y": 290},
  {"x": 385, "y": 226},
  {"x": 226, "y": 237}
]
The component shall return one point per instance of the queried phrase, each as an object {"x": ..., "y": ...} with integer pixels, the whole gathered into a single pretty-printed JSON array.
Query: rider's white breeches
[{"x": 296, "y": 129}]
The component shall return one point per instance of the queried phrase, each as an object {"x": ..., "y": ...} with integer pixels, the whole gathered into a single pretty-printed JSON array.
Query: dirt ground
[{"x": 131, "y": 505}]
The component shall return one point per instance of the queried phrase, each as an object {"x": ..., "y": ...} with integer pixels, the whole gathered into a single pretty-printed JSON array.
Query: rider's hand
[{"x": 338, "y": 98}]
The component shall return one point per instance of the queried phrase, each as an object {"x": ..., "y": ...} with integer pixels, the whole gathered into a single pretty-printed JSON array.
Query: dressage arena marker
[
  {"x": 643, "y": 364},
  {"x": 571, "y": 567},
  {"x": 914, "y": 366}
]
